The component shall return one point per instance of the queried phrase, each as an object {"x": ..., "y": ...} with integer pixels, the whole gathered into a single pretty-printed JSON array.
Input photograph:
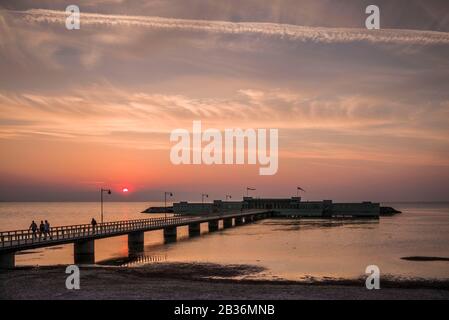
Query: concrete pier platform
[
  {"x": 238, "y": 221},
  {"x": 227, "y": 223},
  {"x": 136, "y": 243},
  {"x": 84, "y": 252},
  {"x": 213, "y": 225},
  {"x": 194, "y": 229},
  {"x": 170, "y": 234},
  {"x": 7, "y": 260},
  {"x": 83, "y": 237}
]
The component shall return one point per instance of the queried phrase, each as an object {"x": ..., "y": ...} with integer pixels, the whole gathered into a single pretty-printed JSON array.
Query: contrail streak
[{"x": 283, "y": 31}]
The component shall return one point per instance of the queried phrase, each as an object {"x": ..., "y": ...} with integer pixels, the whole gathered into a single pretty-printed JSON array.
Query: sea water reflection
[{"x": 287, "y": 248}]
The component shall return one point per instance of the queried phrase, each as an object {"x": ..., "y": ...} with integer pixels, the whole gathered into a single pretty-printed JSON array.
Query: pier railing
[
  {"x": 19, "y": 237},
  {"x": 9, "y": 239}
]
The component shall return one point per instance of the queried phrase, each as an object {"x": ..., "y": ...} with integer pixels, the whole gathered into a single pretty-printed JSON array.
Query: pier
[{"x": 83, "y": 236}]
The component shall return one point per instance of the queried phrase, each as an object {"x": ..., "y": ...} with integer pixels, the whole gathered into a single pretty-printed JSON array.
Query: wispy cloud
[
  {"x": 309, "y": 124},
  {"x": 285, "y": 31}
]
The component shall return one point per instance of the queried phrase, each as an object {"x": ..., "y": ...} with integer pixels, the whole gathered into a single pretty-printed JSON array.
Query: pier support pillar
[
  {"x": 7, "y": 260},
  {"x": 194, "y": 230},
  {"x": 170, "y": 234},
  {"x": 136, "y": 243},
  {"x": 213, "y": 225},
  {"x": 84, "y": 252},
  {"x": 238, "y": 221},
  {"x": 227, "y": 223}
]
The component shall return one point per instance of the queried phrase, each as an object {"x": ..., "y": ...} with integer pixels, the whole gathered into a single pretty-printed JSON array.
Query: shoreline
[{"x": 187, "y": 281}]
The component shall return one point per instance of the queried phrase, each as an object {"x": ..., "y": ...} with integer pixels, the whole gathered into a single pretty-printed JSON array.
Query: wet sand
[{"x": 200, "y": 281}]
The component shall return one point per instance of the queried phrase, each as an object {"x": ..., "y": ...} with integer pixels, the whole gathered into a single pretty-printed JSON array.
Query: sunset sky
[{"x": 362, "y": 114}]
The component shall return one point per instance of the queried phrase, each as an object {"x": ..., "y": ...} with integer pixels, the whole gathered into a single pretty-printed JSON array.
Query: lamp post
[
  {"x": 170, "y": 194},
  {"x": 202, "y": 199},
  {"x": 101, "y": 197}
]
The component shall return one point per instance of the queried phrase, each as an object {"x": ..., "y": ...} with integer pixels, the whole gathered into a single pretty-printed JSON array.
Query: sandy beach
[{"x": 199, "y": 281}]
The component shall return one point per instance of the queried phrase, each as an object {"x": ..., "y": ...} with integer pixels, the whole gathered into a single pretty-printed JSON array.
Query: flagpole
[
  {"x": 248, "y": 189},
  {"x": 298, "y": 189}
]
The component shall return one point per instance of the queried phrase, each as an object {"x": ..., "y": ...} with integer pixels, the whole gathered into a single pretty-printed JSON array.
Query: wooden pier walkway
[{"x": 84, "y": 235}]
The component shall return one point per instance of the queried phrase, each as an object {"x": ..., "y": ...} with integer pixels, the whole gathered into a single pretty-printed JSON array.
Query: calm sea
[{"x": 288, "y": 249}]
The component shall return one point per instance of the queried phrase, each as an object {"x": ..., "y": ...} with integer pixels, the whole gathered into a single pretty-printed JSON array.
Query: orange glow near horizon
[{"x": 356, "y": 120}]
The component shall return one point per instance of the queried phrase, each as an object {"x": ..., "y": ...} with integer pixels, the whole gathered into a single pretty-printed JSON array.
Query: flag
[
  {"x": 252, "y": 189},
  {"x": 299, "y": 188}
]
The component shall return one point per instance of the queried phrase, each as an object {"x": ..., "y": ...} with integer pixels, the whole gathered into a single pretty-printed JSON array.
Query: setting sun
[{"x": 125, "y": 190}]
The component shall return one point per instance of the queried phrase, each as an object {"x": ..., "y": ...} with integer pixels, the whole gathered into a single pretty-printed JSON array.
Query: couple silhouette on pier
[{"x": 43, "y": 230}]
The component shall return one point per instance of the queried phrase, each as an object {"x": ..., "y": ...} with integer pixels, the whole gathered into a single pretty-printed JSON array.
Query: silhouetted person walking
[
  {"x": 94, "y": 224},
  {"x": 33, "y": 228},
  {"x": 42, "y": 230},
  {"x": 47, "y": 229}
]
